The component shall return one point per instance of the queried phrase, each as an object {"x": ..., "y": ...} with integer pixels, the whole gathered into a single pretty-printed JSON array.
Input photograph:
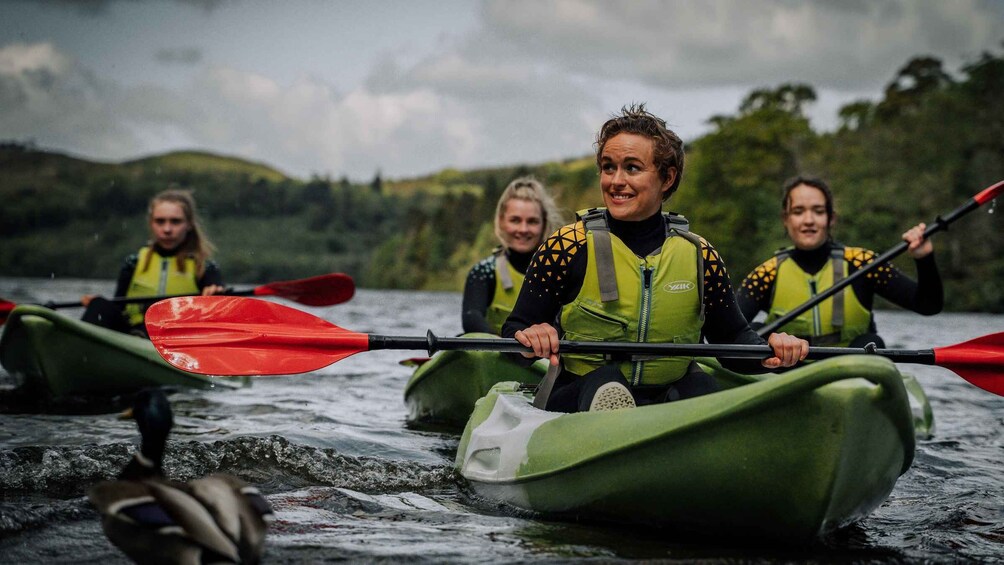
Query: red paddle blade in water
[
  {"x": 322, "y": 290},
  {"x": 227, "y": 335},
  {"x": 979, "y": 361}
]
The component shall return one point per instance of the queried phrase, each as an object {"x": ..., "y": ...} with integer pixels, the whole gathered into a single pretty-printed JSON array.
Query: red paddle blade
[
  {"x": 989, "y": 193},
  {"x": 6, "y": 307},
  {"x": 228, "y": 335},
  {"x": 322, "y": 290},
  {"x": 980, "y": 361}
]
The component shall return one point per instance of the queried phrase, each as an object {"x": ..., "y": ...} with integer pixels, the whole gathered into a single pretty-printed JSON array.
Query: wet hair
[
  {"x": 532, "y": 190},
  {"x": 196, "y": 245},
  {"x": 667, "y": 149},
  {"x": 814, "y": 182}
]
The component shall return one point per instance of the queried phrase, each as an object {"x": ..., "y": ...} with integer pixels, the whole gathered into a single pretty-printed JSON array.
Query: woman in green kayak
[
  {"x": 630, "y": 273},
  {"x": 174, "y": 261},
  {"x": 815, "y": 262},
  {"x": 525, "y": 213}
]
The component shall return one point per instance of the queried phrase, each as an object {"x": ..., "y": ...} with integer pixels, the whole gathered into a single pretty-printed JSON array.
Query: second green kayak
[
  {"x": 443, "y": 389},
  {"x": 50, "y": 354}
]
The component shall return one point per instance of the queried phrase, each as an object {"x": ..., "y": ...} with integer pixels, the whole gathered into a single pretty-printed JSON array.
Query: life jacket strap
[
  {"x": 595, "y": 221},
  {"x": 502, "y": 269}
]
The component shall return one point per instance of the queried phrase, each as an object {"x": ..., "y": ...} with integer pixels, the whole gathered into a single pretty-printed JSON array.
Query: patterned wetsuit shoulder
[
  {"x": 484, "y": 269},
  {"x": 548, "y": 271},
  {"x": 759, "y": 281},
  {"x": 717, "y": 286},
  {"x": 859, "y": 257}
]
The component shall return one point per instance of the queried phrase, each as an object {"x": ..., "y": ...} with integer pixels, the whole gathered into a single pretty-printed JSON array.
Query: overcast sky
[{"x": 410, "y": 87}]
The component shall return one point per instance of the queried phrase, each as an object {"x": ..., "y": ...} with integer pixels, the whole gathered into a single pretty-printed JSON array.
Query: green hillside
[
  {"x": 203, "y": 162},
  {"x": 933, "y": 141}
]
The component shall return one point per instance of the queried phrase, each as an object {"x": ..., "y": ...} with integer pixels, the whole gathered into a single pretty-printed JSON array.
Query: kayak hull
[
  {"x": 443, "y": 389},
  {"x": 788, "y": 457},
  {"x": 51, "y": 354}
]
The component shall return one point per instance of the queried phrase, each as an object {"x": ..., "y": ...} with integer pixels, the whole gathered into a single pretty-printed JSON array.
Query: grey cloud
[
  {"x": 843, "y": 45},
  {"x": 179, "y": 56},
  {"x": 98, "y": 7}
]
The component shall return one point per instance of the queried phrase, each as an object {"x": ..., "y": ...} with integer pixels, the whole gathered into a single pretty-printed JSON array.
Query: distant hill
[{"x": 204, "y": 162}]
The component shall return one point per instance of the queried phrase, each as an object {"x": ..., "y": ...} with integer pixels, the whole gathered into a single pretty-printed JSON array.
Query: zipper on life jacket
[
  {"x": 644, "y": 318},
  {"x": 162, "y": 285}
]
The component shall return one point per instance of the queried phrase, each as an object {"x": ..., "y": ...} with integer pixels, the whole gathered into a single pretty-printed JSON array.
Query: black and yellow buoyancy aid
[
  {"x": 834, "y": 322},
  {"x": 160, "y": 277},
  {"x": 658, "y": 298},
  {"x": 508, "y": 282}
]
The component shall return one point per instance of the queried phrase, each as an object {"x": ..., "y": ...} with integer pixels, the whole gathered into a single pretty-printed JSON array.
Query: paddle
[
  {"x": 939, "y": 223},
  {"x": 221, "y": 335},
  {"x": 322, "y": 290}
]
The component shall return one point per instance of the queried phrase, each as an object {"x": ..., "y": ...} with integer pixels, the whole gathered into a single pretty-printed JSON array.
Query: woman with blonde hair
[
  {"x": 176, "y": 260},
  {"x": 524, "y": 216}
]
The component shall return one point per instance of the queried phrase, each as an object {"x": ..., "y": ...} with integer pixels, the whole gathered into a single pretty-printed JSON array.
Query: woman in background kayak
[
  {"x": 525, "y": 213},
  {"x": 175, "y": 261},
  {"x": 815, "y": 262},
  {"x": 630, "y": 273}
]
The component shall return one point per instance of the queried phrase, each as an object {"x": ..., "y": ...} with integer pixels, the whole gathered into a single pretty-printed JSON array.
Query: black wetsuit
[
  {"x": 924, "y": 296},
  {"x": 479, "y": 290}
]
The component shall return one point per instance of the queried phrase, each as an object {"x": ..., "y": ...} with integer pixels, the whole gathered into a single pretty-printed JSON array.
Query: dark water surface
[{"x": 350, "y": 481}]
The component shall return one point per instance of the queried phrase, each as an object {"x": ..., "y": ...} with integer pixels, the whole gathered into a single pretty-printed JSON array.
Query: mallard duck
[{"x": 218, "y": 518}]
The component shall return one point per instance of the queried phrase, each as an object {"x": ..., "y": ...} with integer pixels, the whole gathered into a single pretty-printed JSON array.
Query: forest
[{"x": 932, "y": 141}]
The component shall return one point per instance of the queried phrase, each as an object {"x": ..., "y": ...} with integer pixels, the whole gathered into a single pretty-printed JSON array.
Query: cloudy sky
[{"x": 409, "y": 87}]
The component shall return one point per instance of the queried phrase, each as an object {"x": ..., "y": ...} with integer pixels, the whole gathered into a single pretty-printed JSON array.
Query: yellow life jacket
[
  {"x": 834, "y": 322},
  {"x": 508, "y": 282},
  {"x": 161, "y": 277},
  {"x": 658, "y": 298}
]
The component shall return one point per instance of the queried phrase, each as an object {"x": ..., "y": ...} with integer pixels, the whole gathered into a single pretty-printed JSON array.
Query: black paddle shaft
[
  {"x": 142, "y": 299},
  {"x": 432, "y": 344},
  {"x": 940, "y": 223}
]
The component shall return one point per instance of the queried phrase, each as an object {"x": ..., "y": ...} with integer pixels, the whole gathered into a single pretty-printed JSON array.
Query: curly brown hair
[{"x": 667, "y": 151}]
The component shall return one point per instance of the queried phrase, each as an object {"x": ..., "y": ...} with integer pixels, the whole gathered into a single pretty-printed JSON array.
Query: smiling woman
[
  {"x": 525, "y": 213},
  {"x": 630, "y": 273}
]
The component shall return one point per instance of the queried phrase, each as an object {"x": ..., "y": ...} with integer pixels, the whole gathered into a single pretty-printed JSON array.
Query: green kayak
[
  {"x": 54, "y": 355},
  {"x": 790, "y": 456},
  {"x": 443, "y": 390}
]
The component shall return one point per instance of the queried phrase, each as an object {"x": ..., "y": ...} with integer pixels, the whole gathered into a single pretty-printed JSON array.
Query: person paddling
[
  {"x": 525, "y": 213},
  {"x": 175, "y": 261},
  {"x": 628, "y": 272},
  {"x": 815, "y": 262}
]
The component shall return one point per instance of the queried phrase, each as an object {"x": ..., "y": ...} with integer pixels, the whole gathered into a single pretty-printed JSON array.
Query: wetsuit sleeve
[
  {"x": 211, "y": 276},
  {"x": 553, "y": 278},
  {"x": 924, "y": 296},
  {"x": 723, "y": 320},
  {"x": 125, "y": 275},
  {"x": 754, "y": 294},
  {"x": 479, "y": 291}
]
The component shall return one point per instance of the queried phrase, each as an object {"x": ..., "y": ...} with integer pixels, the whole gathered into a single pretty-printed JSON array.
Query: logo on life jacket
[{"x": 677, "y": 287}]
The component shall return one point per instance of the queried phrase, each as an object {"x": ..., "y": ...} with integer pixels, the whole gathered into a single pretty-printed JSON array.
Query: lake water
[{"x": 350, "y": 481}]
